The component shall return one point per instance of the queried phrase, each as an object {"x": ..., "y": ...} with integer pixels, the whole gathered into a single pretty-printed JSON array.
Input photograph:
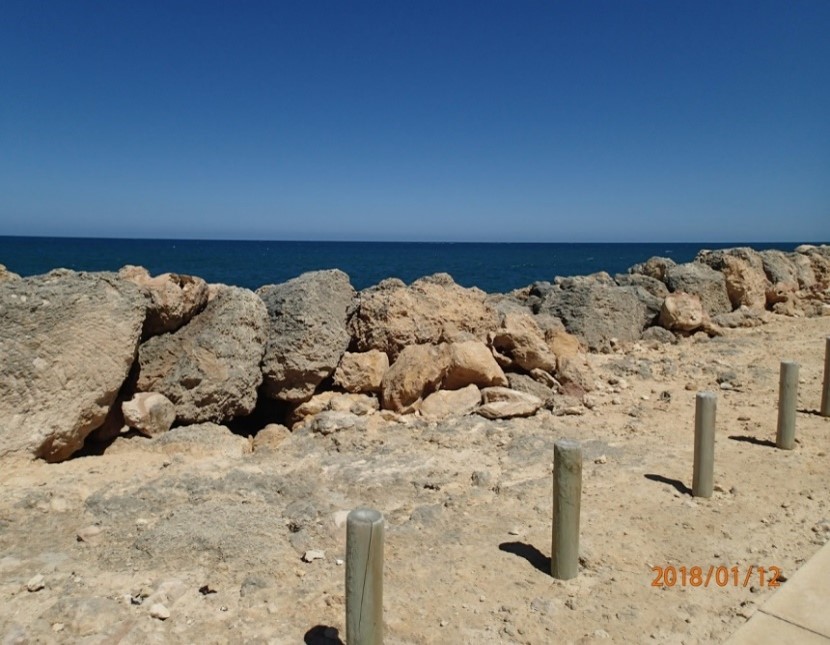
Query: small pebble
[
  {"x": 313, "y": 554},
  {"x": 513, "y": 532},
  {"x": 602, "y": 459},
  {"x": 159, "y": 611},
  {"x": 36, "y": 583}
]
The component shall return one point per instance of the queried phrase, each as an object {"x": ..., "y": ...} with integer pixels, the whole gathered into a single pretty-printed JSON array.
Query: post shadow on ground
[
  {"x": 530, "y": 553},
  {"x": 815, "y": 413},
  {"x": 745, "y": 438},
  {"x": 322, "y": 635},
  {"x": 678, "y": 485}
]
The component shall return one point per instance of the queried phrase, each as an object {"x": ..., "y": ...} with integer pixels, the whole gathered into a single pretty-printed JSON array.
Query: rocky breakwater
[{"x": 91, "y": 356}]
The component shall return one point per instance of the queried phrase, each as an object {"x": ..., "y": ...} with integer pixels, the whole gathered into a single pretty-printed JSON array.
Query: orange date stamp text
[{"x": 716, "y": 576}]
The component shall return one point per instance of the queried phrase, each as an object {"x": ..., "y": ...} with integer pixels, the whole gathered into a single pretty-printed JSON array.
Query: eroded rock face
[
  {"x": 703, "y": 281},
  {"x": 67, "y": 342},
  {"x": 361, "y": 371},
  {"x": 522, "y": 341},
  {"x": 743, "y": 272},
  {"x": 307, "y": 334},
  {"x": 172, "y": 299},
  {"x": 417, "y": 372},
  {"x": 391, "y": 316},
  {"x": 471, "y": 363},
  {"x": 598, "y": 310},
  {"x": 210, "y": 368}
]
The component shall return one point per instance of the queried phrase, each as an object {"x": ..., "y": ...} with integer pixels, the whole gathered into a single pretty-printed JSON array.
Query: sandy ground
[{"x": 215, "y": 532}]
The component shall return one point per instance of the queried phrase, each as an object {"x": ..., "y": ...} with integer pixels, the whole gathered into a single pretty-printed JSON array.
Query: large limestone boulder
[
  {"x": 361, "y": 371},
  {"x": 67, "y": 341},
  {"x": 818, "y": 258},
  {"x": 703, "y": 281},
  {"x": 779, "y": 267},
  {"x": 682, "y": 312},
  {"x": 504, "y": 403},
  {"x": 522, "y": 341},
  {"x": 307, "y": 333},
  {"x": 451, "y": 403},
  {"x": 416, "y": 373},
  {"x": 210, "y": 368},
  {"x": 391, "y": 316},
  {"x": 597, "y": 309},
  {"x": 652, "y": 285},
  {"x": 172, "y": 299},
  {"x": 471, "y": 363},
  {"x": 743, "y": 272}
]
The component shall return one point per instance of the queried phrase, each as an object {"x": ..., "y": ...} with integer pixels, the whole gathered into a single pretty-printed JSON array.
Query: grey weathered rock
[
  {"x": 447, "y": 403},
  {"x": 391, "y": 316},
  {"x": 598, "y": 310},
  {"x": 703, "y": 281},
  {"x": 652, "y": 285},
  {"x": 361, "y": 371},
  {"x": 307, "y": 333},
  {"x": 67, "y": 341},
  {"x": 655, "y": 267},
  {"x": 172, "y": 299},
  {"x": 741, "y": 317},
  {"x": 201, "y": 439},
  {"x": 743, "y": 272},
  {"x": 210, "y": 368},
  {"x": 149, "y": 412},
  {"x": 529, "y": 385},
  {"x": 778, "y": 267},
  {"x": 660, "y": 335},
  {"x": 504, "y": 403}
]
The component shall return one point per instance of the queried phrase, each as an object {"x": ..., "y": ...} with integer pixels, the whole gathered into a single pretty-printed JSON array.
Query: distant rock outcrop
[
  {"x": 702, "y": 280},
  {"x": 67, "y": 341}
]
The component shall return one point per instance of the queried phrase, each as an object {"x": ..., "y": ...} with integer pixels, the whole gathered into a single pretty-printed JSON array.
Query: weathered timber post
[
  {"x": 825, "y": 390},
  {"x": 567, "y": 494},
  {"x": 787, "y": 403},
  {"x": 364, "y": 577},
  {"x": 704, "y": 466}
]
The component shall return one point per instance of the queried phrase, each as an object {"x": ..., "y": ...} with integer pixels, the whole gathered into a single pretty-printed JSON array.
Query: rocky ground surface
[{"x": 198, "y": 535}]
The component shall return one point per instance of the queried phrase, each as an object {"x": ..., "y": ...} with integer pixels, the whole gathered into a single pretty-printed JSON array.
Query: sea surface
[{"x": 251, "y": 264}]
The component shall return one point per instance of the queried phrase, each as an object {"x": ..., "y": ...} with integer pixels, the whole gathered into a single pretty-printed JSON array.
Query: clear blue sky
[{"x": 422, "y": 120}]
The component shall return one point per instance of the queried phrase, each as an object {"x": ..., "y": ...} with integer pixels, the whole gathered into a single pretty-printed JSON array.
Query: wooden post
[
  {"x": 787, "y": 403},
  {"x": 567, "y": 497},
  {"x": 364, "y": 577},
  {"x": 704, "y": 467},
  {"x": 825, "y": 390}
]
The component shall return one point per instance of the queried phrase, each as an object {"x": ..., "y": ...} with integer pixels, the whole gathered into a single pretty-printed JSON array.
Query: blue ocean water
[{"x": 251, "y": 264}]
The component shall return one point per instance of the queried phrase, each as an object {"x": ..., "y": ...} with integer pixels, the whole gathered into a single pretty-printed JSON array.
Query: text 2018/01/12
[{"x": 721, "y": 576}]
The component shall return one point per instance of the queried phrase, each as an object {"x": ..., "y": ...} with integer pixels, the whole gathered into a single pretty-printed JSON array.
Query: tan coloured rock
[
  {"x": 361, "y": 371},
  {"x": 504, "y": 403},
  {"x": 472, "y": 363},
  {"x": 391, "y": 316},
  {"x": 356, "y": 404},
  {"x": 417, "y": 372},
  {"x": 682, "y": 312},
  {"x": 149, "y": 412},
  {"x": 451, "y": 403},
  {"x": 172, "y": 299},
  {"x": 5, "y": 274},
  {"x": 523, "y": 341},
  {"x": 270, "y": 437},
  {"x": 565, "y": 346},
  {"x": 745, "y": 285}
]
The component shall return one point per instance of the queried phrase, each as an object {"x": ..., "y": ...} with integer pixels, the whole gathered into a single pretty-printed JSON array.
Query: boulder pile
[{"x": 89, "y": 356}]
